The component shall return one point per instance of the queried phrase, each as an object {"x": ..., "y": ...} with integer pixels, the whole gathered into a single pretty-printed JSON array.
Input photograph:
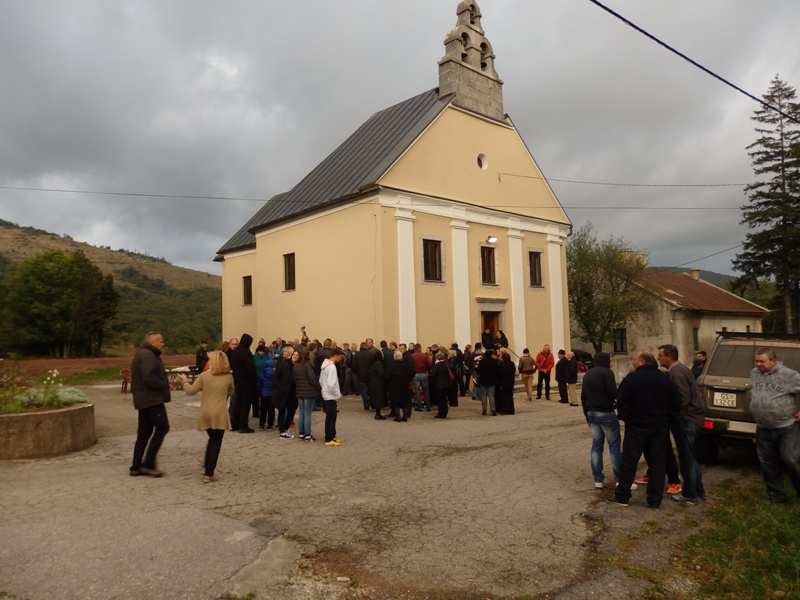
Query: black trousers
[
  {"x": 651, "y": 442},
  {"x": 212, "y": 450},
  {"x": 441, "y": 399},
  {"x": 267, "y": 412},
  {"x": 153, "y": 428},
  {"x": 562, "y": 391},
  {"x": 331, "y": 408},
  {"x": 545, "y": 378},
  {"x": 286, "y": 414}
]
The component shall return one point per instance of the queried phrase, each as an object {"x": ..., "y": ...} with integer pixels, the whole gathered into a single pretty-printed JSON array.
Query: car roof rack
[{"x": 741, "y": 335}]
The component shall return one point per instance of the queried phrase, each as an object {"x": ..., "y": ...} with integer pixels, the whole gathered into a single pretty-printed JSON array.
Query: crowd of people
[
  {"x": 280, "y": 384},
  {"x": 281, "y": 380}
]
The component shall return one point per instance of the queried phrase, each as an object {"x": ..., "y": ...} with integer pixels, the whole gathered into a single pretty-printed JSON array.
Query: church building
[{"x": 430, "y": 223}]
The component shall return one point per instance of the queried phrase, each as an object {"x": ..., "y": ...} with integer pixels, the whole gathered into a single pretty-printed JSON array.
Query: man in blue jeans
[
  {"x": 598, "y": 398},
  {"x": 685, "y": 429},
  {"x": 773, "y": 388}
]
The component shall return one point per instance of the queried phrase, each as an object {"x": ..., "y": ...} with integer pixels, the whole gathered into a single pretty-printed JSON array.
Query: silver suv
[{"x": 725, "y": 387}]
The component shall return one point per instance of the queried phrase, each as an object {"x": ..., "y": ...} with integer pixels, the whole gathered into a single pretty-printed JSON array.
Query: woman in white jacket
[{"x": 329, "y": 381}]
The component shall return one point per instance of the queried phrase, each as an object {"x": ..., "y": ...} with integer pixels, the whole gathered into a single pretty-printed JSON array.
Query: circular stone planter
[{"x": 47, "y": 432}]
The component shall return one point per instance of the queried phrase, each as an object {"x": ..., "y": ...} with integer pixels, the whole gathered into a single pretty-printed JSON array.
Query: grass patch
[
  {"x": 750, "y": 548},
  {"x": 93, "y": 376}
]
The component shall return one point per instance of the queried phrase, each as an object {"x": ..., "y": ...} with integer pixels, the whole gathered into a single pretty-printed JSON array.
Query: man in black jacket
[
  {"x": 150, "y": 389},
  {"x": 561, "y": 376},
  {"x": 245, "y": 384},
  {"x": 598, "y": 397},
  {"x": 647, "y": 403}
]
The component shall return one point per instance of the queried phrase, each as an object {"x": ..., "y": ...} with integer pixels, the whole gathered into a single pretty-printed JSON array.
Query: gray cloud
[{"x": 242, "y": 99}]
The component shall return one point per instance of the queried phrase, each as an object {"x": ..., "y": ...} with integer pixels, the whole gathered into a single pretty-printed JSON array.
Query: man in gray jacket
[
  {"x": 772, "y": 402},
  {"x": 685, "y": 429}
]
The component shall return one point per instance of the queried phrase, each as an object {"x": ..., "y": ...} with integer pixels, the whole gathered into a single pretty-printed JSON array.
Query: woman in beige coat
[{"x": 217, "y": 385}]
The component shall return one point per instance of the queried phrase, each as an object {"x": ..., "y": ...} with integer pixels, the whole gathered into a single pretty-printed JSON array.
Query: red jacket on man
[{"x": 545, "y": 362}]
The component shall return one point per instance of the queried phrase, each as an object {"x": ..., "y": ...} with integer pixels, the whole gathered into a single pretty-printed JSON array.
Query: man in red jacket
[{"x": 544, "y": 363}]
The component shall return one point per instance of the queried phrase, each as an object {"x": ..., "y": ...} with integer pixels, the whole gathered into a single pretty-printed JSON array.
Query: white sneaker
[
  {"x": 287, "y": 436},
  {"x": 634, "y": 486},
  {"x": 599, "y": 485}
]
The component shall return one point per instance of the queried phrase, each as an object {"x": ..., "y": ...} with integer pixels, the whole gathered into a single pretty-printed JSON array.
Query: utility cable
[{"x": 696, "y": 64}]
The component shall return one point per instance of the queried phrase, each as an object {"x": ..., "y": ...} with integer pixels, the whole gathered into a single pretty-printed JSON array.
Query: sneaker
[
  {"x": 333, "y": 443},
  {"x": 287, "y": 436},
  {"x": 209, "y": 479},
  {"x": 309, "y": 438},
  {"x": 614, "y": 500},
  {"x": 643, "y": 479},
  {"x": 684, "y": 500},
  {"x": 674, "y": 488},
  {"x": 634, "y": 486},
  {"x": 337, "y": 440},
  {"x": 599, "y": 485}
]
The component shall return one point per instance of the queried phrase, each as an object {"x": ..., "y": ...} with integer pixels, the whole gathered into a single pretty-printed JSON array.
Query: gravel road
[{"x": 467, "y": 507}]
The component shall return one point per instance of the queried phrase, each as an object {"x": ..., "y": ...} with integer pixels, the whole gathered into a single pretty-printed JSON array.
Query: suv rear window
[
  {"x": 732, "y": 361},
  {"x": 736, "y": 359}
]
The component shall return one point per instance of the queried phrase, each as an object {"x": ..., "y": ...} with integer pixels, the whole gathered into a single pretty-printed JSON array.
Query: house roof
[
  {"x": 355, "y": 166},
  {"x": 686, "y": 293}
]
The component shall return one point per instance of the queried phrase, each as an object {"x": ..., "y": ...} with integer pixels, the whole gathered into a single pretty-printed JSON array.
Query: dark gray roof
[{"x": 352, "y": 168}]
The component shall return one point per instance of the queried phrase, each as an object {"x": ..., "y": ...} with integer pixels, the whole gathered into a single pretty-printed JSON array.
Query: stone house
[{"x": 688, "y": 313}]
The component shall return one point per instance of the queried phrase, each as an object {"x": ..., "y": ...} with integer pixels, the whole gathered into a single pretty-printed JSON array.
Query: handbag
[{"x": 450, "y": 377}]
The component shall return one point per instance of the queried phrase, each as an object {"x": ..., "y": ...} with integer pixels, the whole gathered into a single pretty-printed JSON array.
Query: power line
[
  {"x": 655, "y": 185},
  {"x": 138, "y": 195},
  {"x": 696, "y": 64}
]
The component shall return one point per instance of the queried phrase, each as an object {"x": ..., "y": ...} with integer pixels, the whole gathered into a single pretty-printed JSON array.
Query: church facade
[{"x": 430, "y": 223}]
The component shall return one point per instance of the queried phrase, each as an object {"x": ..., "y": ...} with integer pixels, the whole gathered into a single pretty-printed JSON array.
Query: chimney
[{"x": 696, "y": 274}]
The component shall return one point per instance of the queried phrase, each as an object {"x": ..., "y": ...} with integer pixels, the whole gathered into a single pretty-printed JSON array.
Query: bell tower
[{"x": 467, "y": 68}]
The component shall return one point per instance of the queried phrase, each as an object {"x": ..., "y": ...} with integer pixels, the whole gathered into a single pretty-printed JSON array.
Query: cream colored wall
[
  {"x": 434, "y": 300},
  {"x": 237, "y": 318},
  {"x": 339, "y": 274},
  {"x": 444, "y": 163}
]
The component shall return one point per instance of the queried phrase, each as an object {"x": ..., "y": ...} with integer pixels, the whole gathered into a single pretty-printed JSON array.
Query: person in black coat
[
  {"x": 439, "y": 382},
  {"x": 506, "y": 376},
  {"x": 487, "y": 380},
  {"x": 283, "y": 394},
  {"x": 398, "y": 376},
  {"x": 561, "y": 376},
  {"x": 245, "y": 382},
  {"x": 377, "y": 385}
]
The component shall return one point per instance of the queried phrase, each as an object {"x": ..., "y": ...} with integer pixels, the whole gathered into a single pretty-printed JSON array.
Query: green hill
[{"x": 185, "y": 305}]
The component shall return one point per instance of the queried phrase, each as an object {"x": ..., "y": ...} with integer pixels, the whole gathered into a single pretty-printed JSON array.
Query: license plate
[{"x": 727, "y": 399}]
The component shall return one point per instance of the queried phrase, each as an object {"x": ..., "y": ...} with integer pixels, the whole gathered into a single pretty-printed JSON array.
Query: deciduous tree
[
  {"x": 58, "y": 303},
  {"x": 602, "y": 281}
]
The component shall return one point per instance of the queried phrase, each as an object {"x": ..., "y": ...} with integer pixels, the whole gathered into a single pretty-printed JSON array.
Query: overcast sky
[{"x": 243, "y": 98}]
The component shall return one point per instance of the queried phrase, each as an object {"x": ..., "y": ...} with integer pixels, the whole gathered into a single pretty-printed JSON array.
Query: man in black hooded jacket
[
  {"x": 245, "y": 384},
  {"x": 598, "y": 397}
]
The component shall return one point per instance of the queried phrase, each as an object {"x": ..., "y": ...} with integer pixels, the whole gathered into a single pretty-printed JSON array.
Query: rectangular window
[
  {"x": 487, "y": 265},
  {"x": 535, "y": 264},
  {"x": 288, "y": 272},
  {"x": 432, "y": 260},
  {"x": 620, "y": 340},
  {"x": 247, "y": 290}
]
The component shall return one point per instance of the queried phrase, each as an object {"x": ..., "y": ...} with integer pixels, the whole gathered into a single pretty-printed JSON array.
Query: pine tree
[{"x": 772, "y": 251}]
